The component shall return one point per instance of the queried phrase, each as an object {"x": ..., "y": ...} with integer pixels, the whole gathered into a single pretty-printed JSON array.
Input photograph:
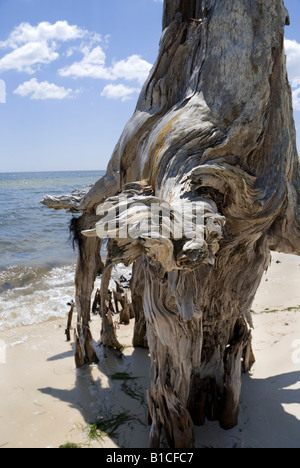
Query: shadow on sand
[
  {"x": 95, "y": 393},
  {"x": 266, "y": 419}
]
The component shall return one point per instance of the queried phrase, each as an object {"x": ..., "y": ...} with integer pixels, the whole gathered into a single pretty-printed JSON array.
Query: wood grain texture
[{"x": 213, "y": 124}]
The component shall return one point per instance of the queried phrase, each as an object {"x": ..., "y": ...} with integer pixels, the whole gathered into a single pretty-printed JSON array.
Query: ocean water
[{"x": 37, "y": 262}]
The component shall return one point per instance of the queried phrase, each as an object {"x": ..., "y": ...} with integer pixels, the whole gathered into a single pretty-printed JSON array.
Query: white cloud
[
  {"x": 33, "y": 46},
  {"x": 44, "y": 31},
  {"x": 119, "y": 91},
  {"x": 93, "y": 65},
  {"x": 133, "y": 68},
  {"x": 27, "y": 57},
  {"x": 43, "y": 90},
  {"x": 296, "y": 99},
  {"x": 292, "y": 49}
]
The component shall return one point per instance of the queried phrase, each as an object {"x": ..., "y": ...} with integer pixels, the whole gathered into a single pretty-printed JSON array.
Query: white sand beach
[{"x": 44, "y": 402}]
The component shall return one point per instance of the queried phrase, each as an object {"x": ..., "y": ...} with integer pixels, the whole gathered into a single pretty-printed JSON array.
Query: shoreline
[{"x": 45, "y": 402}]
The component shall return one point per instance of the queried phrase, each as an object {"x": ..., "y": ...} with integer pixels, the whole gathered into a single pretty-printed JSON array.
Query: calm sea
[{"x": 37, "y": 262}]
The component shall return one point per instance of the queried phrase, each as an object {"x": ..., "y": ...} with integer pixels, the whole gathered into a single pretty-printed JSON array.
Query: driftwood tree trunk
[
  {"x": 89, "y": 265},
  {"x": 213, "y": 126}
]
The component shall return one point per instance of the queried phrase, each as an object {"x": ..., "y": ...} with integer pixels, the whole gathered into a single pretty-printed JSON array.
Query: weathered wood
[
  {"x": 110, "y": 302},
  {"x": 125, "y": 314},
  {"x": 248, "y": 358},
  {"x": 79, "y": 348},
  {"x": 69, "y": 322},
  {"x": 84, "y": 348},
  {"x": 121, "y": 297},
  {"x": 96, "y": 307},
  {"x": 222, "y": 133},
  {"x": 213, "y": 125},
  {"x": 131, "y": 309},
  {"x": 108, "y": 332},
  {"x": 108, "y": 335},
  {"x": 120, "y": 290},
  {"x": 89, "y": 264},
  {"x": 118, "y": 298},
  {"x": 137, "y": 286},
  {"x": 96, "y": 303},
  {"x": 69, "y": 202}
]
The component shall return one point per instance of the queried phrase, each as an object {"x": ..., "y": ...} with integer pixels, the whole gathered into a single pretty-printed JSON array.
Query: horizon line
[{"x": 44, "y": 171}]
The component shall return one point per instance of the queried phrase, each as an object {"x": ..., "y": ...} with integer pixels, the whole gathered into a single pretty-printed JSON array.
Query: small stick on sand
[{"x": 70, "y": 317}]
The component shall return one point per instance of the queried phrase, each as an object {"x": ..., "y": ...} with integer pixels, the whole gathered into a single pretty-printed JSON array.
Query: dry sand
[{"x": 44, "y": 402}]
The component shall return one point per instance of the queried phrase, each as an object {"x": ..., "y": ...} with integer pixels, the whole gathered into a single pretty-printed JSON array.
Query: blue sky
[{"x": 71, "y": 72}]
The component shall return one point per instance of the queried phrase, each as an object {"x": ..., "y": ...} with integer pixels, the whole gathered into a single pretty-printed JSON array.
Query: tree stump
[{"x": 213, "y": 127}]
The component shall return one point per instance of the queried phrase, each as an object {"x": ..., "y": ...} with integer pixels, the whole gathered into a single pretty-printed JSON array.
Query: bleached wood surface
[{"x": 214, "y": 122}]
